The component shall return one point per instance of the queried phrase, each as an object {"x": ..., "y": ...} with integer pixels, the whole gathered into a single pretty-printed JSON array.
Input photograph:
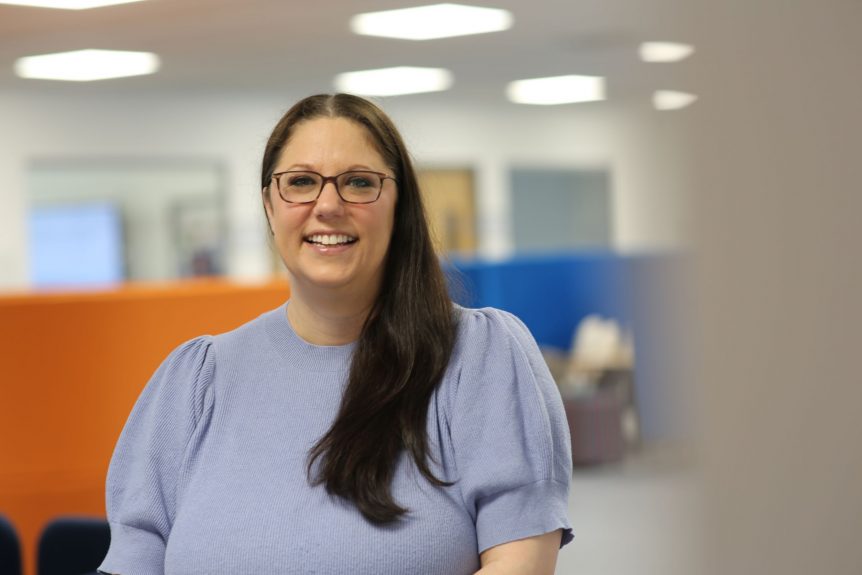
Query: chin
[
  {"x": 337, "y": 277},
  {"x": 325, "y": 281},
  {"x": 329, "y": 283}
]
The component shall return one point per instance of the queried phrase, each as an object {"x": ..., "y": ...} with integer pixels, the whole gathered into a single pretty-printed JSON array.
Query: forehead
[{"x": 331, "y": 143}]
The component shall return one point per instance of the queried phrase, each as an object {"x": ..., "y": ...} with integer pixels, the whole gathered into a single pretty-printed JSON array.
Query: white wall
[{"x": 637, "y": 144}]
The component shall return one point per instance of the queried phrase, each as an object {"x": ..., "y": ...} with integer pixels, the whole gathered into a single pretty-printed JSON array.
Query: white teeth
[{"x": 330, "y": 239}]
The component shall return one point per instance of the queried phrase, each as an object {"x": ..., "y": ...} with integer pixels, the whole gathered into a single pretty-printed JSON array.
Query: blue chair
[
  {"x": 10, "y": 549},
  {"x": 73, "y": 546}
]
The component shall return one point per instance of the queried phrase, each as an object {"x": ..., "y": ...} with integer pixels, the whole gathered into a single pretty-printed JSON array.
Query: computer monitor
[{"x": 76, "y": 245}]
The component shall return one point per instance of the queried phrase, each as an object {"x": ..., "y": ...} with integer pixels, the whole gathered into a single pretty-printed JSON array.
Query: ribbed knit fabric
[{"x": 209, "y": 474}]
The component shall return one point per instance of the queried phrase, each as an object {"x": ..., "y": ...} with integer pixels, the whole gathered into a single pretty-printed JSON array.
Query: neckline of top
[{"x": 302, "y": 354}]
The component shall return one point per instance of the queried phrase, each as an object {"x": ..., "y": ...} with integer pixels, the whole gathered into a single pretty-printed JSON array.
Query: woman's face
[{"x": 332, "y": 146}]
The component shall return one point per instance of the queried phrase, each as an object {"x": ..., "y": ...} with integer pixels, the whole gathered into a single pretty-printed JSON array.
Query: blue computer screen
[{"x": 75, "y": 245}]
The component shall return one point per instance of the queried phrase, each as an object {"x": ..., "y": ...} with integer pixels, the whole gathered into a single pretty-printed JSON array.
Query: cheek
[
  {"x": 385, "y": 226},
  {"x": 288, "y": 220}
]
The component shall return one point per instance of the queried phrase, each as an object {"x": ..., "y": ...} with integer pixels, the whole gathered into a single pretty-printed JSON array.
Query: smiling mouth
[{"x": 330, "y": 239}]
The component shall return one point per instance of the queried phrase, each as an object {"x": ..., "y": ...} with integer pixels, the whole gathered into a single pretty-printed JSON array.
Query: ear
[{"x": 267, "y": 206}]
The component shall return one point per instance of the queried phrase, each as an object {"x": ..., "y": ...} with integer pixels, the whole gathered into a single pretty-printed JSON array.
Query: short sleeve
[
  {"x": 147, "y": 463},
  {"x": 509, "y": 433}
]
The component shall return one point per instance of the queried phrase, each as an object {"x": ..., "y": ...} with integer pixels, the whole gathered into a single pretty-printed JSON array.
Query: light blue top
[{"x": 209, "y": 474}]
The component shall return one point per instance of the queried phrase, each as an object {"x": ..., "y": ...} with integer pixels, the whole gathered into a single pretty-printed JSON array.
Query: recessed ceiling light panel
[
  {"x": 429, "y": 22},
  {"x": 67, "y": 4},
  {"x": 557, "y": 90},
  {"x": 672, "y": 100},
  {"x": 87, "y": 65},
  {"x": 665, "y": 51},
  {"x": 394, "y": 81}
]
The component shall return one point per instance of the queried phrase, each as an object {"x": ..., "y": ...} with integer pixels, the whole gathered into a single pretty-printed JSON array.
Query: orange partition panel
[{"x": 72, "y": 367}]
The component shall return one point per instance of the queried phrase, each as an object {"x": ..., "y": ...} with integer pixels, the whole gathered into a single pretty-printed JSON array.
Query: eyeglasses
[{"x": 354, "y": 187}]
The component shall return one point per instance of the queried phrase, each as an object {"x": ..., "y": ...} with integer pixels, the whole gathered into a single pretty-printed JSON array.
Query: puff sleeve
[
  {"x": 147, "y": 464},
  {"x": 509, "y": 434}
]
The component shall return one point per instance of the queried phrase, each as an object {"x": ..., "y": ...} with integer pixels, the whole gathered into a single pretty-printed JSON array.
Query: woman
[{"x": 366, "y": 426}]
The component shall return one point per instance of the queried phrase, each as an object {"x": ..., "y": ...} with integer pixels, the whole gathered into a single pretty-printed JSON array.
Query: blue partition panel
[{"x": 551, "y": 293}]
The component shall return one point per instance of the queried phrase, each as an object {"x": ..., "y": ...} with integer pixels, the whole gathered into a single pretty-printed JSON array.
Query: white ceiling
[{"x": 273, "y": 46}]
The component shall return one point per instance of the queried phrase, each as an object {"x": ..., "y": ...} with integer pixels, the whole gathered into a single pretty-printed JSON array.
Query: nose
[{"x": 329, "y": 203}]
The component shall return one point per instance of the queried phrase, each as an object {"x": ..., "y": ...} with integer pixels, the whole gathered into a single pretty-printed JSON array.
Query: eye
[
  {"x": 359, "y": 181},
  {"x": 301, "y": 181}
]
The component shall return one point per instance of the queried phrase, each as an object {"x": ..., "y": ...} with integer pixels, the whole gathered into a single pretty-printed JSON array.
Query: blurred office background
[{"x": 711, "y": 241}]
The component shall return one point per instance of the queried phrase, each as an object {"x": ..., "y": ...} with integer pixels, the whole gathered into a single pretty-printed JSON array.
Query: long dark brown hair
[{"x": 405, "y": 343}]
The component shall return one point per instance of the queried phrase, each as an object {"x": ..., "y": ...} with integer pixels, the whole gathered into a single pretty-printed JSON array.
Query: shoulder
[
  {"x": 200, "y": 353},
  {"x": 191, "y": 360},
  {"x": 189, "y": 373},
  {"x": 186, "y": 378},
  {"x": 491, "y": 333},
  {"x": 484, "y": 322},
  {"x": 494, "y": 354},
  {"x": 237, "y": 342},
  {"x": 182, "y": 381}
]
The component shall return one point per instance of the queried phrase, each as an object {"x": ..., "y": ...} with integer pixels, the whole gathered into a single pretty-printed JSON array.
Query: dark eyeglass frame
[{"x": 334, "y": 179}]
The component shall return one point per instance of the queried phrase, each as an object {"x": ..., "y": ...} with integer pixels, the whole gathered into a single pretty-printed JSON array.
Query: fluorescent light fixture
[
  {"x": 672, "y": 100},
  {"x": 557, "y": 90},
  {"x": 429, "y": 22},
  {"x": 665, "y": 51},
  {"x": 87, "y": 65},
  {"x": 67, "y": 4},
  {"x": 394, "y": 81}
]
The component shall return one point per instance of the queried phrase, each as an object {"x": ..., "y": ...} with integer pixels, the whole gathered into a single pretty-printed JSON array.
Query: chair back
[
  {"x": 73, "y": 546},
  {"x": 10, "y": 549}
]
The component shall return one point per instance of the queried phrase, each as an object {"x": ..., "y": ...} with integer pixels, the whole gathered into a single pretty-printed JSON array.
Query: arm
[
  {"x": 510, "y": 445},
  {"x": 147, "y": 462},
  {"x": 531, "y": 556}
]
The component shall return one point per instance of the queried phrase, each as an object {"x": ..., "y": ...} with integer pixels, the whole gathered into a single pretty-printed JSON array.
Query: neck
[{"x": 326, "y": 320}]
